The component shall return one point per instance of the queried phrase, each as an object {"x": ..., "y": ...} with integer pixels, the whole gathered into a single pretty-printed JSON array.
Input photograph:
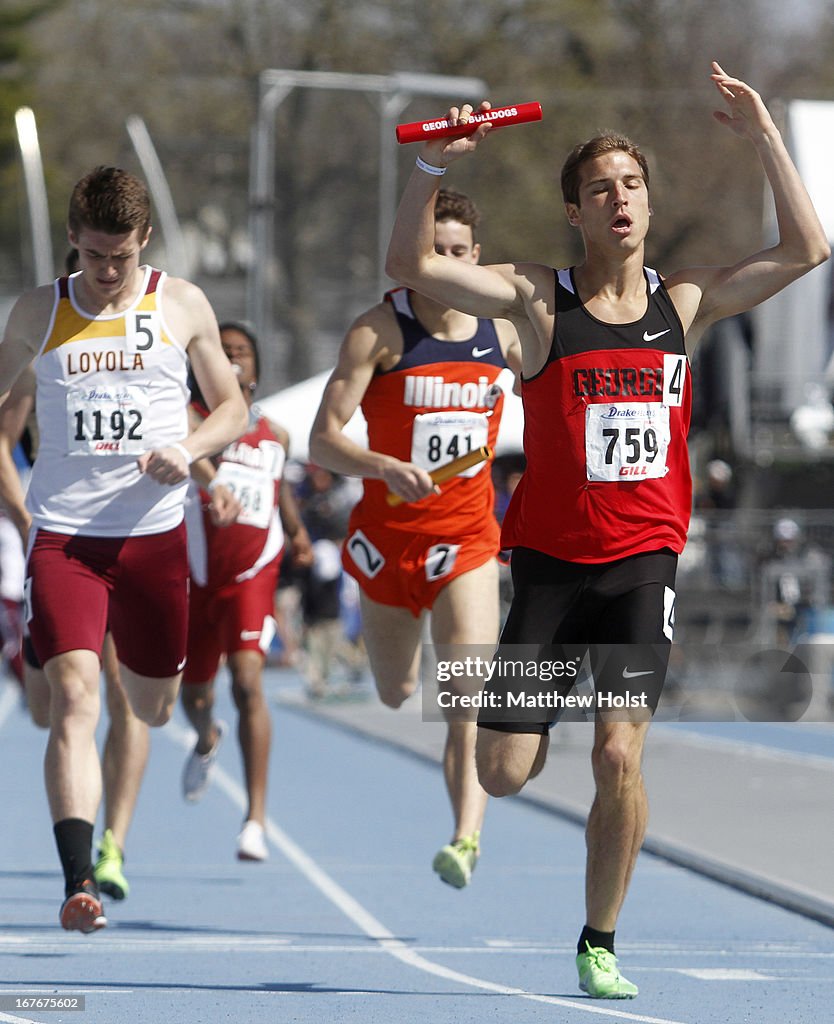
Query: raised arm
[
  {"x": 486, "y": 291},
  {"x": 706, "y": 294}
]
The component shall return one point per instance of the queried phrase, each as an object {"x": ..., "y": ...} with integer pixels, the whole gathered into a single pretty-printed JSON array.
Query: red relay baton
[{"x": 439, "y": 128}]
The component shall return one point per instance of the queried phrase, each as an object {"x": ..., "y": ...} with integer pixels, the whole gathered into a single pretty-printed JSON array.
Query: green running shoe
[
  {"x": 456, "y": 862},
  {"x": 108, "y": 870},
  {"x": 599, "y": 976}
]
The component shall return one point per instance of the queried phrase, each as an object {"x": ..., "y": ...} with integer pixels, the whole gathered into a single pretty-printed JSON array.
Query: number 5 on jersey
[{"x": 141, "y": 331}]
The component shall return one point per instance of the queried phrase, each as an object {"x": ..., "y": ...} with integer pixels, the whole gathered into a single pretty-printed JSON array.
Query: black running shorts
[{"x": 620, "y": 613}]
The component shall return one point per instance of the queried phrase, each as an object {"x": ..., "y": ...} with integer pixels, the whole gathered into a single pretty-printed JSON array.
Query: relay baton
[
  {"x": 450, "y": 469},
  {"x": 439, "y": 128}
]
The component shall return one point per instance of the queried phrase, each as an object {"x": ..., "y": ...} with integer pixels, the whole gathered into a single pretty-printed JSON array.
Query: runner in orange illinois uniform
[{"x": 425, "y": 375}]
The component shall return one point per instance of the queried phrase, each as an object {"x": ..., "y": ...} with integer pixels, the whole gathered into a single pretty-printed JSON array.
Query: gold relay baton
[{"x": 450, "y": 469}]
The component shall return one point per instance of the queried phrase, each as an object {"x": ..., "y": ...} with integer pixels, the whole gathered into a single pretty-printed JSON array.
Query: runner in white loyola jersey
[
  {"x": 107, "y": 494},
  {"x": 109, "y": 388}
]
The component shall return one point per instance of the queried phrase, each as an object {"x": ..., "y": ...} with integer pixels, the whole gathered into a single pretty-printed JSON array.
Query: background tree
[
  {"x": 189, "y": 69},
  {"x": 18, "y": 68}
]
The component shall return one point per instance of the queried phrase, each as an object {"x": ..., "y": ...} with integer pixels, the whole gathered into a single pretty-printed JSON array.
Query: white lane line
[
  {"x": 374, "y": 928},
  {"x": 742, "y": 748},
  {"x": 18, "y": 991},
  {"x": 725, "y": 974},
  {"x": 120, "y": 940}
]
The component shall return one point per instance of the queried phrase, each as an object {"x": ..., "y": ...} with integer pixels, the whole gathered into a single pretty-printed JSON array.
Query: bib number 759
[{"x": 626, "y": 441}]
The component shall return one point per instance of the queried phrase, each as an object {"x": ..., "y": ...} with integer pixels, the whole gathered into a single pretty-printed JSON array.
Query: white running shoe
[
  {"x": 251, "y": 843},
  {"x": 197, "y": 772}
]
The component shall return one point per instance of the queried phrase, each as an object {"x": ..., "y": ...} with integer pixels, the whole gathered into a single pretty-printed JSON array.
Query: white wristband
[
  {"x": 186, "y": 454},
  {"x": 430, "y": 168}
]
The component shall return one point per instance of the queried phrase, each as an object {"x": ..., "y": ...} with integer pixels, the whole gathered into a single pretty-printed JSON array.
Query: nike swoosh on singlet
[
  {"x": 652, "y": 337},
  {"x": 478, "y": 352},
  {"x": 628, "y": 674}
]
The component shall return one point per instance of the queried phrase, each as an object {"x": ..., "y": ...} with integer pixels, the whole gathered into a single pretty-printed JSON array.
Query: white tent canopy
[
  {"x": 295, "y": 408},
  {"x": 794, "y": 329}
]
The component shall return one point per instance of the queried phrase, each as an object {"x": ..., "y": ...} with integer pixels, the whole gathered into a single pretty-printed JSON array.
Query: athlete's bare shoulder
[
  {"x": 379, "y": 317},
  {"x": 25, "y": 332},
  {"x": 187, "y": 310},
  {"x": 33, "y": 311},
  {"x": 374, "y": 336},
  {"x": 184, "y": 293},
  {"x": 29, "y": 319},
  {"x": 686, "y": 289}
]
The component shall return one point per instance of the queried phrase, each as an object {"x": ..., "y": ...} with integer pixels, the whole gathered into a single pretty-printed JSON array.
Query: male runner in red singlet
[
  {"x": 425, "y": 376},
  {"x": 233, "y": 595},
  {"x": 111, "y": 346},
  {"x": 601, "y": 514}
]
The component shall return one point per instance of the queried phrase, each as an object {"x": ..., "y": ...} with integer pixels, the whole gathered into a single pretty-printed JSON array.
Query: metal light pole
[
  {"x": 27, "y": 137},
  {"x": 395, "y": 92},
  {"x": 175, "y": 255}
]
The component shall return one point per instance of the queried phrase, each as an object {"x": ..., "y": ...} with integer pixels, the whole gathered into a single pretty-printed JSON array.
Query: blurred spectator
[
  {"x": 717, "y": 499},
  {"x": 286, "y": 647},
  {"x": 326, "y": 501},
  {"x": 794, "y": 580},
  {"x": 720, "y": 491},
  {"x": 333, "y": 659},
  {"x": 813, "y": 421},
  {"x": 332, "y": 642}
]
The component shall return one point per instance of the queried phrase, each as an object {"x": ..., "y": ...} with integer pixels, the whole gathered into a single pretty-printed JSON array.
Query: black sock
[
  {"x": 74, "y": 839},
  {"x": 596, "y": 939}
]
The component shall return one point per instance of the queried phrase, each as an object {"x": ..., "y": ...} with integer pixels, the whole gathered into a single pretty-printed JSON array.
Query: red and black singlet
[{"x": 605, "y": 427}]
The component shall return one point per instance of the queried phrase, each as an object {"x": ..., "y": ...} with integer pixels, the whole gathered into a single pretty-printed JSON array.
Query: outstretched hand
[
  {"x": 441, "y": 152},
  {"x": 747, "y": 115}
]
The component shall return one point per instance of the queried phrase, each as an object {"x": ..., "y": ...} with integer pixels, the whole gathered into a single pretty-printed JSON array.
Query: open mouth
[{"x": 621, "y": 224}]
